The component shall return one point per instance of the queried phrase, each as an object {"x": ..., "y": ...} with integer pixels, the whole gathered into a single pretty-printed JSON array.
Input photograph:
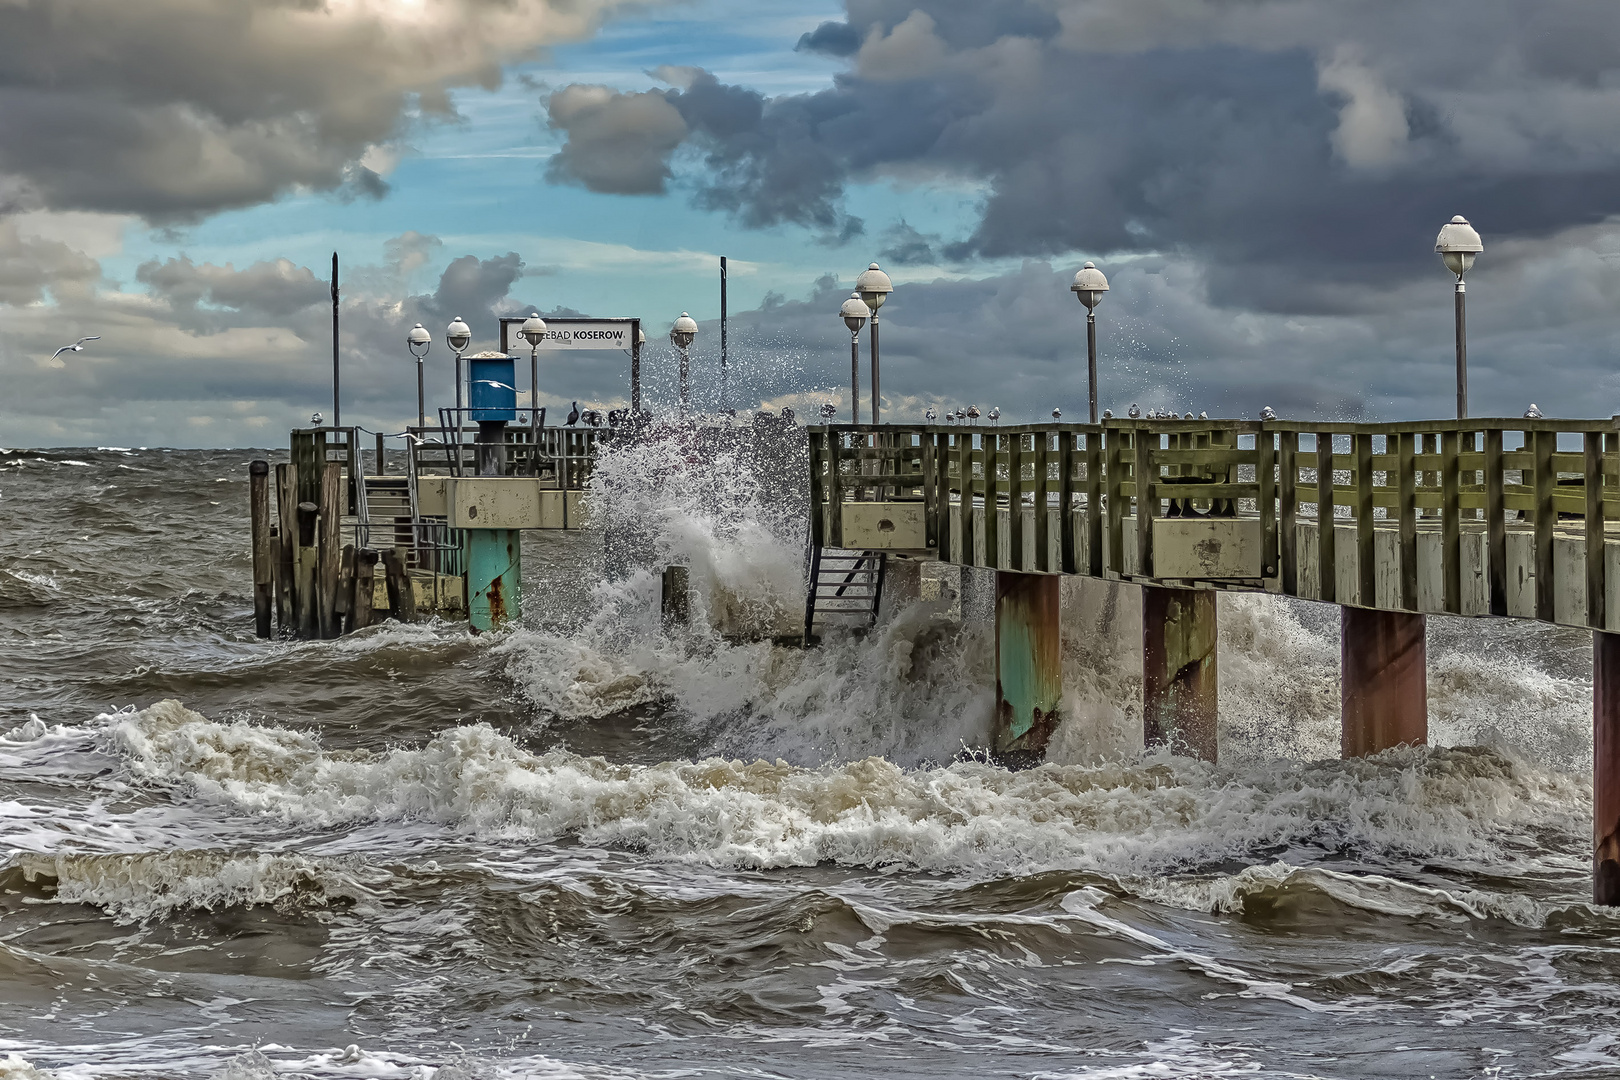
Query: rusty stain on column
[
  {"x": 1029, "y": 664},
  {"x": 1606, "y": 768},
  {"x": 1178, "y": 670},
  {"x": 1384, "y": 687}
]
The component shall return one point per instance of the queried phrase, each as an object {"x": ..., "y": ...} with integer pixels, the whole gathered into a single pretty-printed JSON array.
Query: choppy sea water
[{"x": 591, "y": 847}]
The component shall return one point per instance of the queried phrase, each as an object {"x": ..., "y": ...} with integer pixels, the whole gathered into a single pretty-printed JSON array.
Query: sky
[{"x": 1262, "y": 181}]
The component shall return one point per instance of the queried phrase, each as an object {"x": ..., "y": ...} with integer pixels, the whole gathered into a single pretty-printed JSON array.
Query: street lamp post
[
  {"x": 458, "y": 335},
  {"x": 1089, "y": 286},
  {"x": 420, "y": 341},
  {"x": 682, "y": 335},
  {"x": 534, "y": 332},
  {"x": 854, "y": 313},
  {"x": 874, "y": 287},
  {"x": 1458, "y": 246}
]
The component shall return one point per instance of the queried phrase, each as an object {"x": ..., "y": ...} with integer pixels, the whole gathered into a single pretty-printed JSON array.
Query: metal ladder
[{"x": 846, "y": 587}]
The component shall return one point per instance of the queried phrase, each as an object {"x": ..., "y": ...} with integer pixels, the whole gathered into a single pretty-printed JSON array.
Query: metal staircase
[
  {"x": 388, "y": 512},
  {"x": 845, "y": 589}
]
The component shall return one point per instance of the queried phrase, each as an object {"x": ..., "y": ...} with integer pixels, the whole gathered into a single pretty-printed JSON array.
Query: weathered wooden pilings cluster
[
  {"x": 1488, "y": 517},
  {"x": 317, "y": 580}
]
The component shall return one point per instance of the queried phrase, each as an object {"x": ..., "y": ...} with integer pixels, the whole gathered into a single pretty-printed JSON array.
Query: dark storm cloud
[
  {"x": 831, "y": 38},
  {"x": 1308, "y": 147},
  {"x": 173, "y": 109},
  {"x": 762, "y": 160}
]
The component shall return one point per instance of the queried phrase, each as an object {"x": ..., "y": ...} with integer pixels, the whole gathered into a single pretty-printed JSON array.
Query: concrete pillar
[
  {"x": 1606, "y": 768},
  {"x": 1384, "y": 688},
  {"x": 1029, "y": 664},
  {"x": 494, "y": 577},
  {"x": 978, "y": 594},
  {"x": 1178, "y": 670},
  {"x": 902, "y": 586}
]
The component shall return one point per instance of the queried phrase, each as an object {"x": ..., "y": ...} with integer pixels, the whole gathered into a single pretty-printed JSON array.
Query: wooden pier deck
[{"x": 1480, "y": 517}]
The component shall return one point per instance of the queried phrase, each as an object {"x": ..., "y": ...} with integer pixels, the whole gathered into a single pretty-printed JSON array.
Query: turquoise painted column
[
  {"x": 494, "y": 576},
  {"x": 1029, "y": 664}
]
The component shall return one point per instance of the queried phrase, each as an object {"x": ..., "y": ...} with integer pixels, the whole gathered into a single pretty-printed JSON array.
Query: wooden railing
[{"x": 1460, "y": 478}]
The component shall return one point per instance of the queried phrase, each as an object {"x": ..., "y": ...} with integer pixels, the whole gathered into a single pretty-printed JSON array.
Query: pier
[{"x": 1504, "y": 518}]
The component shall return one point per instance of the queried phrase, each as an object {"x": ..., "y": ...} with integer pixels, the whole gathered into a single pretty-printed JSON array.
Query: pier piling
[
  {"x": 263, "y": 563},
  {"x": 1605, "y": 768},
  {"x": 1383, "y": 692},
  {"x": 1029, "y": 664},
  {"x": 1179, "y": 686}
]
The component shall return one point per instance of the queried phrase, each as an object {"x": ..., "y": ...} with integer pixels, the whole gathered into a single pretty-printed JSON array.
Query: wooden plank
[
  {"x": 835, "y": 492},
  {"x": 1146, "y": 474},
  {"x": 1495, "y": 525},
  {"x": 259, "y": 530},
  {"x": 1326, "y": 555},
  {"x": 1015, "y": 502},
  {"x": 1116, "y": 438},
  {"x": 942, "y": 494},
  {"x": 1067, "y": 455},
  {"x": 991, "y": 522},
  {"x": 1406, "y": 481},
  {"x": 1545, "y": 518},
  {"x": 1094, "y": 502},
  {"x": 330, "y": 547},
  {"x": 964, "y": 465},
  {"x": 1596, "y": 606},
  {"x": 1288, "y": 492},
  {"x": 1265, "y": 474},
  {"x": 1450, "y": 522},
  {"x": 818, "y": 510},
  {"x": 1043, "y": 491},
  {"x": 1367, "y": 592}
]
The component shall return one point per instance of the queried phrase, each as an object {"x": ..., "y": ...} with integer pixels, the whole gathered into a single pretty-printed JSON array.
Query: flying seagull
[
  {"x": 77, "y": 346},
  {"x": 496, "y": 385}
]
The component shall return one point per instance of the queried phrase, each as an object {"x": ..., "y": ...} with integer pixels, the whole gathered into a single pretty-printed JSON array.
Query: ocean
[{"x": 591, "y": 846}]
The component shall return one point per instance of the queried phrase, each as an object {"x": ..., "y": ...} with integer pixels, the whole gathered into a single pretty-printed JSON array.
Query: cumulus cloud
[
  {"x": 173, "y": 109},
  {"x": 617, "y": 143}
]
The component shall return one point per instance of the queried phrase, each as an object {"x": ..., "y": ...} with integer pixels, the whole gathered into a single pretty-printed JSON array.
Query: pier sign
[{"x": 571, "y": 334}]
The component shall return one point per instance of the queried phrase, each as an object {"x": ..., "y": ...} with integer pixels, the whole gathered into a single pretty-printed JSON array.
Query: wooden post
[
  {"x": 1327, "y": 558},
  {"x": 286, "y": 545},
  {"x": 1605, "y": 768},
  {"x": 344, "y": 605},
  {"x": 305, "y": 606},
  {"x": 365, "y": 585},
  {"x": 1179, "y": 685},
  {"x": 401, "y": 590},
  {"x": 263, "y": 567},
  {"x": 1383, "y": 696},
  {"x": 1029, "y": 664},
  {"x": 676, "y": 601},
  {"x": 331, "y": 548}
]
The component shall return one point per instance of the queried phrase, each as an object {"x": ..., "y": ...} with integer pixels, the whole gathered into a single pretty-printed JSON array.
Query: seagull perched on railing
[
  {"x": 1202, "y": 415},
  {"x": 1134, "y": 412},
  {"x": 1532, "y": 413},
  {"x": 1108, "y": 414},
  {"x": 930, "y": 415},
  {"x": 77, "y": 346},
  {"x": 973, "y": 412},
  {"x": 315, "y": 421},
  {"x": 593, "y": 418},
  {"x": 828, "y": 410},
  {"x": 1057, "y": 414},
  {"x": 995, "y": 414},
  {"x": 1267, "y": 414}
]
